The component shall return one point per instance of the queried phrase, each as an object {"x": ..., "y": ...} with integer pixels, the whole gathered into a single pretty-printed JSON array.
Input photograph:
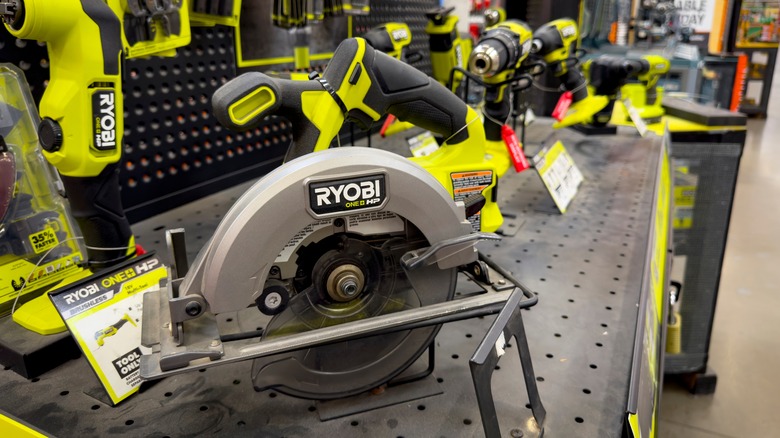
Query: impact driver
[{"x": 556, "y": 43}]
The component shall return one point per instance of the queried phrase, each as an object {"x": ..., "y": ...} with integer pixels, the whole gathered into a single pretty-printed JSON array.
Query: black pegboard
[
  {"x": 411, "y": 12},
  {"x": 30, "y": 57},
  {"x": 175, "y": 151}
]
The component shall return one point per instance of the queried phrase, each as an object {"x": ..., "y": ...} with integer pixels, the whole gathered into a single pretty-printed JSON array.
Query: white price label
[{"x": 559, "y": 174}]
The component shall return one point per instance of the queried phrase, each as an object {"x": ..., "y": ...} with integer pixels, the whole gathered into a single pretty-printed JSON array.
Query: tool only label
[
  {"x": 347, "y": 194},
  {"x": 104, "y": 315}
]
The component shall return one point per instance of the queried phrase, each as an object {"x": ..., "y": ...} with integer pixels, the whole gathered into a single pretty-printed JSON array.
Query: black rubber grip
[
  {"x": 97, "y": 207},
  {"x": 412, "y": 96}
]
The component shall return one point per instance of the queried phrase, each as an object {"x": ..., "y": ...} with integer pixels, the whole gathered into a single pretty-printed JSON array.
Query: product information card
[{"x": 103, "y": 313}]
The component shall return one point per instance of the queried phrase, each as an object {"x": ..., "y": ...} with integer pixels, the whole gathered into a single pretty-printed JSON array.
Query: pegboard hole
[
  {"x": 570, "y": 300},
  {"x": 542, "y": 279},
  {"x": 272, "y": 395},
  {"x": 204, "y": 408},
  {"x": 528, "y": 405},
  {"x": 604, "y": 325},
  {"x": 129, "y": 422},
  {"x": 312, "y": 408},
  {"x": 565, "y": 316},
  {"x": 440, "y": 380},
  {"x": 64, "y": 393},
  {"x": 455, "y": 356},
  {"x": 557, "y": 335},
  {"x": 468, "y": 335},
  {"x": 466, "y": 421},
  {"x": 229, "y": 319},
  {"x": 577, "y": 286},
  {"x": 35, "y": 379},
  {"x": 241, "y": 424},
  {"x": 586, "y": 391},
  {"x": 202, "y": 370},
  {"x": 599, "y": 344},
  {"x": 498, "y": 367},
  {"x": 593, "y": 366},
  {"x": 354, "y": 423},
  {"x": 168, "y": 394},
  {"x": 608, "y": 308},
  {"x": 579, "y": 419},
  {"x": 420, "y": 407},
  {"x": 540, "y": 379},
  {"x": 95, "y": 407}
]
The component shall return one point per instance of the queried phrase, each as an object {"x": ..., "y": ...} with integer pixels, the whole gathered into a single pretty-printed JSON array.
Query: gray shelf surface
[{"x": 586, "y": 267}]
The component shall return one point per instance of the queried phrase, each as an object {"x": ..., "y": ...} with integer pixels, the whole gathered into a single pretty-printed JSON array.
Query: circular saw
[{"x": 351, "y": 255}]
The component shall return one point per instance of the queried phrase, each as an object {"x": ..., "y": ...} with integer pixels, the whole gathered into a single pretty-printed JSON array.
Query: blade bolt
[
  {"x": 349, "y": 287},
  {"x": 192, "y": 308},
  {"x": 274, "y": 270},
  {"x": 273, "y": 300}
]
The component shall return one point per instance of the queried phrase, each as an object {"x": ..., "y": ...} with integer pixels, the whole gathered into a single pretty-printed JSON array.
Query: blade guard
[{"x": 231, "y": 270}]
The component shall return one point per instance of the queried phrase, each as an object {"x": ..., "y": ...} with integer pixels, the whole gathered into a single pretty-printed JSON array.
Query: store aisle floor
[{"x": 745, "y": 347}]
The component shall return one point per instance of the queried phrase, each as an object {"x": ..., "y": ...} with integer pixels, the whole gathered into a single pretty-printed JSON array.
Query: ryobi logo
[
  {"x": 568, "y": 31},
  {"x": 84, "y": 292},
  {"x": 347, "y": 194},
  {"x": 400, "y": 34},
  {"x": 104, "y": 115}
]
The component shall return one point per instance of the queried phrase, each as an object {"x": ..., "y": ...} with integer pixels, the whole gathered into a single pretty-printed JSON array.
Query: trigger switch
[
  {"x": 353, "y": 78},
  {"x": 50, "y": 135}
]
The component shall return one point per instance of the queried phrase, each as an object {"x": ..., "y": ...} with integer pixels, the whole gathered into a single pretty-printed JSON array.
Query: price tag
[
  {"x": 564, "y": 102},
  {"x": 636, "y": 119},
  {"x": 423, "y": 144},
  {"x": 103, "y": 313},
  {"x": 516, "y": 153},
  {"x": 559, "y": 174}
]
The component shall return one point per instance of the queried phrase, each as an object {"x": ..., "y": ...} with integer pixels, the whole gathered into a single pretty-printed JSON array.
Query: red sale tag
[
  {"x": 562, "y": 106},
  {"x": 515, "y": 151}
]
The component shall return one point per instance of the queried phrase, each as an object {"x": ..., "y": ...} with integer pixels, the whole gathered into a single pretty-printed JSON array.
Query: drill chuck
[
  {"x": 498, "y": 50},
  {"x": 485, "y": 60}
]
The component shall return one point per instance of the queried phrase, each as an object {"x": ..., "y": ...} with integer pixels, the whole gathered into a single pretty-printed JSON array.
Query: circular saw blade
[{"x": 348, "y": 368}]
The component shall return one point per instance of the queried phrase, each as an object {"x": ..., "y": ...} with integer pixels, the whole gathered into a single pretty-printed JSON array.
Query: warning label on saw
[
  {"x": 465, "y": 184},
  {"x": 375, "y": 223},
  {"x": 299, "y": 237}
]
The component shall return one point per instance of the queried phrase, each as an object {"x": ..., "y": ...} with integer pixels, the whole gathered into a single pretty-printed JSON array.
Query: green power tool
[
  {"x": 361, "y": 85},
  {"x": 556, "y": 43},
  {"x": 497, "y": 58},
  {"x": 448, "y": 49}
]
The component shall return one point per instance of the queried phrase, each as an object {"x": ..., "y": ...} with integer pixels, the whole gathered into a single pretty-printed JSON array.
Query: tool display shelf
[{"x": 588, "y": 267}]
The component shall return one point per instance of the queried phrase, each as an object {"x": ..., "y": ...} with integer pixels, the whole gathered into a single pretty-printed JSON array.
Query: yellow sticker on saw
[{"x": 44, "y": 240}]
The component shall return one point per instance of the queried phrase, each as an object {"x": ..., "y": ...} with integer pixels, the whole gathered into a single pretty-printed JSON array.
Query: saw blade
[
  {"x": 7, "y": 179},
  {"x": 348, "y": 368}
]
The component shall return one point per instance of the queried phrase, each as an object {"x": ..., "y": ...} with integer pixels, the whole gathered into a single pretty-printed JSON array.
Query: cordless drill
[
  {"x": 448, "y": 49},
  {"x": 646, "y": 96},
  {"x": 556, "y": 44},
  {"x": 497, "y": 57},
  {"x": 81, "y": 111}
]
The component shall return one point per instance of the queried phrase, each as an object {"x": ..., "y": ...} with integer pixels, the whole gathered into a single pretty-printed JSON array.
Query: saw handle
[{"x": 360, "y": 84}]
